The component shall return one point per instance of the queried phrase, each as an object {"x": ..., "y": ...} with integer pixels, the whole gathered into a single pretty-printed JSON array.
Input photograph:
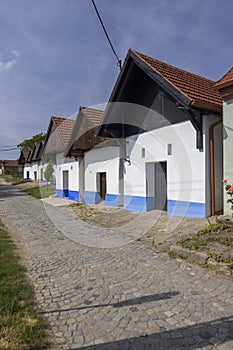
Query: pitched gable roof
[
  {"x": 84, "y": 131},
  {"x": 37, "y": 151},
  {"x": 226, "y": 80},
  {"x": 93, "y": 114},
  {"x": 58, "y": 134},
  {"x": 23, "y": 156},
  {"x": 64, "y": 126},
  {"x": 65, "y": 129},
  {"x": 201, "y": 91},
  {"x": 30, "y": 155}
]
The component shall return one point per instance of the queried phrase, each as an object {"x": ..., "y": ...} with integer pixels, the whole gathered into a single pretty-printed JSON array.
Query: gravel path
[{"x": 122, "y": 296}]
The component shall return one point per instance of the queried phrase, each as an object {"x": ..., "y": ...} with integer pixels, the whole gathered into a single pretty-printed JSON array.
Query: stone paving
[{"x": 123, "y": 296}]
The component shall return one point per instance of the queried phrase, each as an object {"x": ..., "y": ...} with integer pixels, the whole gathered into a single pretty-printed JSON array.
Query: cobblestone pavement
[{"x": 124, "y": 297}]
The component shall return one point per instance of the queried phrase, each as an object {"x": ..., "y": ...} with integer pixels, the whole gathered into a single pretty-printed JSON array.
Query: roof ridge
[
  {"x": 200, "y": 91},
  {"x": 172, "y": 66},
  {"x": 222, "y": 79},
  {"x": 94, "y": 109}
]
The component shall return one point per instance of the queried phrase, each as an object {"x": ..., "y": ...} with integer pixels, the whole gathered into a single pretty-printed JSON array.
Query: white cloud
[
  {"x": 16, "y": 53},
  {"x": 6, "y": 66}
]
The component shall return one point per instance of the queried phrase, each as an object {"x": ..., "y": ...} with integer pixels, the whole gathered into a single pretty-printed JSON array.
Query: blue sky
[{"x": 54, "y": 56}]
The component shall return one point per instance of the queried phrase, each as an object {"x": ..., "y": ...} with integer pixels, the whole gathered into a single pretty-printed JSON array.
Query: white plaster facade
[
  {"x": 187, "y": 169},
  {"x": 27, "y": 171},
  {"x": 102, "y": 159},
  {"x": 67, "y": 177},
  {"x": 227, "y": 149}
]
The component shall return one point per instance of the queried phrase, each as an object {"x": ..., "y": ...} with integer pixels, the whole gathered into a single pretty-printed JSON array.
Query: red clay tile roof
[
  {"x": 65, "y": 127},
  {"x": 10, "y": 163},
  {"x": 57, "y": 120},
  {"x": 95, "y": 115},
  {"x": 201, "y": 91},
  {"x": 226, "y": 80}
]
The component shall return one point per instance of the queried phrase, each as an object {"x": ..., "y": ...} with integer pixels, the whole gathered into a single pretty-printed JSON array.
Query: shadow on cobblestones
[
  {"x": 206, "y": 335},
  {"x": 130, "y": 302},
  {"x": 7, "y": 192}
]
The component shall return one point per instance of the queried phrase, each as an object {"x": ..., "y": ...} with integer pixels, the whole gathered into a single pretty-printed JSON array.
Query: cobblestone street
[{"x": 123, "y": 296}]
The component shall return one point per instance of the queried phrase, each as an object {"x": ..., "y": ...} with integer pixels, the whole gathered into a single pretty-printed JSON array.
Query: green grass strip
[
  {"x": 21, "y": 327},
  {"x": 39, "y": 192}
]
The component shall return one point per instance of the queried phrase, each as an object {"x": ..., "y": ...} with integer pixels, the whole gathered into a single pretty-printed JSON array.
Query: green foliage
[
  {"x": 41, "y": 191},
  {"x": 48, "y": 174},
  {"x": 174, "y": 255},
  {"x": 21, "y": 327},
  {"x": 229, "y": 192},
  {"x": 196, "y": 242},
  {"x": 28, "y": 144},
  {"x": 213, "y": 228},
  {"x": 15, "y": 180}
]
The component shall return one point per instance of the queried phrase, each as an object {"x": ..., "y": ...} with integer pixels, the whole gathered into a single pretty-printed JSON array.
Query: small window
[
  {"x": 143, "y": 152},
  {"x": 169, "y": 149},
  {"x": 71, "y": 168}
]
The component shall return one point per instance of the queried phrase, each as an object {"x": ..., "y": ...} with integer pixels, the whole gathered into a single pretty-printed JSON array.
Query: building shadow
[
  {"x": 8, "y": 191},
  {"x": 206, "y": 334},
  {"x": 129, "y": 302}
]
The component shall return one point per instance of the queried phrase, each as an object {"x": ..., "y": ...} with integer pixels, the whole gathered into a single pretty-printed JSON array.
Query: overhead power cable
[
  {"x": 8, "y": 146},
  {"x": 106, "y": 33},
  {"x": 8, "y": 149}
]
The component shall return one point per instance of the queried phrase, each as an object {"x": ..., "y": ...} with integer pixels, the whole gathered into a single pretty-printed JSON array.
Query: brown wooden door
[{"x": 103, "y": 185}]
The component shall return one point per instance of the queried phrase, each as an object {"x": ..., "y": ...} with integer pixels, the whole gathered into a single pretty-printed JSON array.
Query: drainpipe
[{"x": 212, "y": 164}]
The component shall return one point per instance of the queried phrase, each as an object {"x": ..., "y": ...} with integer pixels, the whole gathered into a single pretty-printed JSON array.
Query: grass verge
[
  {"x": 14, "y": 180},
  {"x": 39, "y": 192},
  {"x": 215, "y": 240},
  {"x": 21, "y": 327}
]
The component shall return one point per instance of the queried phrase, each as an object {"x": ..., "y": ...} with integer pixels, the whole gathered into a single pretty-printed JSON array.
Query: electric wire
[{"x": 107, "y": 36}]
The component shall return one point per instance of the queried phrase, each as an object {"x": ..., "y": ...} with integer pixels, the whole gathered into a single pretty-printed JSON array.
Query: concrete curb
[{"x": 202, "y": 259}]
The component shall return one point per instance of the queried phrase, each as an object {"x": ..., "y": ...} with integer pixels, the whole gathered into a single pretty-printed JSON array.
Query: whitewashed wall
[
  {"x": 35, "y": 173},
  {"x": 185, "y": 167},
  {"x": 97, "y": 160},
  {"x": 228, "y": 149},
  {"x": 27, "y": 167},
  {"x": 70, "y": 165}
]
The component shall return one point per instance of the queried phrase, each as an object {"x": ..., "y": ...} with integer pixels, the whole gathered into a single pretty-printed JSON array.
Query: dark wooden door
[
  {"x": 161, "y": 186},
  {"x": 65, "y": 180},
  {"x": 103, "y": 185}
]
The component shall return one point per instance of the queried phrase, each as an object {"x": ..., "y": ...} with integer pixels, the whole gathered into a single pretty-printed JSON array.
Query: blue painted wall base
[
  {"x": 73, "y": 195},
  {"x": 186, "y": 209},
  {"x": 111, "y": 200},
  {"x": 174, "y": 208},
  {"x": 62, "y": 193},
  {"x": 135, "y": 203},
  {"x": 90, "y": 197}
]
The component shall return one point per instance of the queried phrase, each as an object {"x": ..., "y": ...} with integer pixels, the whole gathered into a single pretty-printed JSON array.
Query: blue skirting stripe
[
  {"x": 111, "y": 200},
  {"x": 174, "y": 208},
  {"x": 90, "y": 197},
  {"x": 62, "y": 193},
  {"x": 188, "y": 209},
  {"x": 135, "y": 203},
  {"x": 74, "y": 195}
]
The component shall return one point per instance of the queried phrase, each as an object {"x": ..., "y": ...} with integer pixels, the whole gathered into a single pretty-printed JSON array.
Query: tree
[
  {"x": 48, "y": 173},
  {"x": 28, "y": 144}
]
